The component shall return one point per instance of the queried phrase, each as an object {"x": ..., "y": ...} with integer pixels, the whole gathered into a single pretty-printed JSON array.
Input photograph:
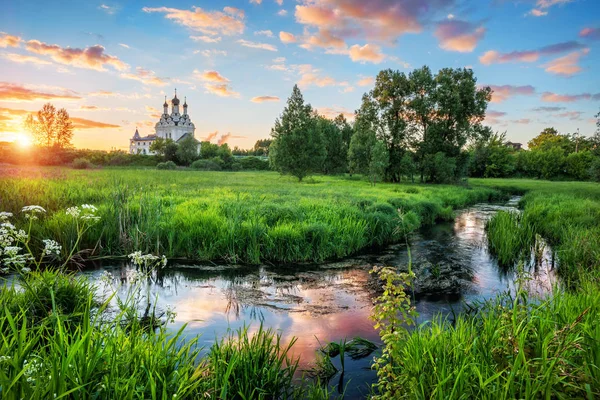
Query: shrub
[
  {"x": 206, "y": 165},
  {"x": 166, "y": 165},
  {"x": 82, "y": 163},
  {"x": 254, "y": 163}
]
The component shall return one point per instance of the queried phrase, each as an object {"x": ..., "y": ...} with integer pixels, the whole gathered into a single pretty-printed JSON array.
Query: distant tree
[
  {"x": 549, "y": 138},
  {"x": 158, "y": 146},
  {"x": 380, "y": 159},
  {"x": 345, "y": 128},
  {"x": 208, "y": 150},
  {"x": 224, "y": 153},
  {"x": 51, "y": 127},
  {"x": 407, "y": 166},
  {"x": 577, "y": 165},
  {"x": 361, "y": 144},
  {"x": 171, "y": 148},
  {"x": 297, "y": 147},
  {"x": 187, "y": 150},
  {"x": 261, "y": 147},
  {"x": 492, "y": 158},
  {"x": 335, "y": 148}
]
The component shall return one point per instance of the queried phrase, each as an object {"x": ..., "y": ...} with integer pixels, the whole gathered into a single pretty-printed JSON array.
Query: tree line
[{"x": 421, "y": 126}]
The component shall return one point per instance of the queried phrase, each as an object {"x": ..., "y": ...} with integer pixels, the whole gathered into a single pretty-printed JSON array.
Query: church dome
[{"x": 175, "y": 100}]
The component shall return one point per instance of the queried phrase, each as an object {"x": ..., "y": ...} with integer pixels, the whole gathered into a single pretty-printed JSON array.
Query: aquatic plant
[{"x": 511, "y": 236}]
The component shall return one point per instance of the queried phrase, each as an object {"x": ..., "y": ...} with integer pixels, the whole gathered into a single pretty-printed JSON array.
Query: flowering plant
[{"x": 16, "y": 250}]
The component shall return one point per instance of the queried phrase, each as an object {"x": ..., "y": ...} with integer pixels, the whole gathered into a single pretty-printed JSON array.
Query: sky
[{"x": 111, "y": 63}]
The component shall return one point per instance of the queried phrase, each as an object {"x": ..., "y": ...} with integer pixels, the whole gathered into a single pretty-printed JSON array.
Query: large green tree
[
  {"x": 336, "y": 151},
  {"x": 187, "y": 150},
  {"x": 380, "y": 159},
  {"x": 362, "y": 141},
  {"x": 297, "y": 147}
]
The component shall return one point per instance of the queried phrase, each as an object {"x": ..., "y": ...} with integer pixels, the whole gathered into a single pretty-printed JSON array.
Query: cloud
[
  {"x": 226, "y": 137},
  {"x": 547, "y": 109},
  {"x": 460, "y": 36},
  {"x": 572, "y": 115},
  {"x": 286, "y": 37},
  {"x": 210, "y": 76},
  {"x": 495, "y": 57},
  {"x": 366, "y": 81},
  {"x": 263, "y": 99},
  {"x": 124, "y": 45},
  {"x": 15, "y": 92},
  {"x": 22, "y": 59},
  {"x": 493, "y": 117},
  {"x": 81, "y": 123},
  {"x": 524, "y": 121},
  {"x": 282, "y": 13},
  {"x": 230, "y": 22},
  {"x": 108, "y": 9},
  {"x": 566, "y": 65},
  {"x": 206, "y": 39},
  {"x": 541, "y": 5},
  {"x": 537, "y": 13},
  {"x": 266, "y": 33},
  {"x": 503, "y": 92},
  {"x": 211, "y": 136},
  {"x": 210, "y": 53},
  {"x": 367, "y": 53},
  {"x": 92, "y": 108},
  {"x": 145, "y": 76},
  {"x": 106, "y": 93},
  {"x": 310, "y": 76},
  {"x": 255, "y": 1},
  {"x": 7, "y": 40},
  {"x": 255, "y": 45},
  {"x": 332, "y": 112},
  {"x": 91, "y": 57},
  {"x": 323, "y": 38},
  {"x": 550, "y": 97},
  {"x": 215, "y": 83},
  {"x": 588, "y": 33}
]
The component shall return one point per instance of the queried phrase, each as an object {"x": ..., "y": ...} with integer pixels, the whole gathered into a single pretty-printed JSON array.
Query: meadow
[{"x": 248, "y": 217}]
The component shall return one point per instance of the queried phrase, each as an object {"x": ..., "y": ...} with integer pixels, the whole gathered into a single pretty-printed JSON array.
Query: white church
[{"x": 172, "y": 126}]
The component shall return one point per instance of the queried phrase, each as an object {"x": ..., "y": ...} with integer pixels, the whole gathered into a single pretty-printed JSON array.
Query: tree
[
  {"x": 380, "y": 159},
  {"x": 361, "y": 144},
  {"x": 407, "y": 166},
  {"x": 492, "y": 158},
  {"x": 187, "y": 150},
  {"x": 549, "y": 138},
  {"x": 335, "y": 148},
  {"x": 51, "y": 127},
  {"x": 261, "y": 147},
  {"x": 158, "y": 146},
  {"x": 297, "y": 147},
  {"x": 171, "y": 150},
  {"x": 345, "y": 128},
  {"x": 208, "y": 150}
]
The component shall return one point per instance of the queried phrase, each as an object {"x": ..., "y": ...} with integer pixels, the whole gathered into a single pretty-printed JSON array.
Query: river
[{"x": 332, "y": 301}]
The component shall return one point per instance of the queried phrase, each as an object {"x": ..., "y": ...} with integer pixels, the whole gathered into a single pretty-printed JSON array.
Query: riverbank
[{"x": 247, "y": 217}]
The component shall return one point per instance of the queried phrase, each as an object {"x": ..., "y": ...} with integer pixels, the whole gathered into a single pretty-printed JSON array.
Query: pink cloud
[
  {"x": 367, "y": 53},
  {"x": 550, "y": 97},
  {"x": 325, "y": 39},
  {"x": 566, "y": 65},
  {"x": 215, "y": 83},
  {"x": 542, "y": 5},
  {"x": 7, "y": 40},
  {"x": 286, "y": 37},
  {"x": 460, "y": 36},
  {"x": 503, "y": 92},
  {"x": 590, "y": 33},
  {"x": 145, "y": 76},
  {"x": 22, "y": 59},
  {"x": 16, "y": 92},
  {"x": 333, "y": 112},
  {"x": 91, "y": 57},
  {"x": 366, "y": 81},
  {"x": 524, "y": 121},
  {"x": 255, "y": 45},
  {"x": 495, "y": 57},
  {"x": 227, "y": 136},
  {"x": 263, "y": 99},
  {"x": 229, "y": 22},
  {"x": 572, "y": 115},
  {"x": 210, "y": 76}
]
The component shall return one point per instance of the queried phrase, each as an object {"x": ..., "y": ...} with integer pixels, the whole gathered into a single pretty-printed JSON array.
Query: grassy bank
[
  {"x": 517, "y": 345},
  {"x": 241, "y": 217}
]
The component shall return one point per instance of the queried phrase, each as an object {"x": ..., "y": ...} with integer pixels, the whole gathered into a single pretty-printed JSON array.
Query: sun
[{"x": 23, "y": 140}]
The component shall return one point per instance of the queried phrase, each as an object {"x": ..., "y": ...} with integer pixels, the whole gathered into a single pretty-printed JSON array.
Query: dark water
[{"x": 333, "y": 301}]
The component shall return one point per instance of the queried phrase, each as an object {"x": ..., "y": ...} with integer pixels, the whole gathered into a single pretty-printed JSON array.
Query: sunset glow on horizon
[{"x": 111, "y": 64}]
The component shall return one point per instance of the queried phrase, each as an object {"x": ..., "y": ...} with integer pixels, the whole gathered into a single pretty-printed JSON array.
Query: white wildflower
[
  {"x": 51, "y": 247},
  {"x": 89, "y": 207},
  {"x": 143, "y": 259},
  {"x": 33, "y": 209},
  {"x": 11, "y": 251},
  {"x": 26, "y": 270},
  {"x": 73, "y": 211},
  {"x": 4, "y": 270},
  {"x": 5, "y": 215}
]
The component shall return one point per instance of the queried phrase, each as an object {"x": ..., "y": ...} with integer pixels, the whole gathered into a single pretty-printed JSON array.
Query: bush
[
  {"x": 82, "y": 163},
  {"x": 207, "y": 165},
  {"x": 254, "y": 163},
  {"x": 166, "y": 165}
]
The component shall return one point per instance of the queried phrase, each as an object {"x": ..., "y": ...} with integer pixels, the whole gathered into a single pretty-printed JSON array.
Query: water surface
[{"x": 330, "y": 302}]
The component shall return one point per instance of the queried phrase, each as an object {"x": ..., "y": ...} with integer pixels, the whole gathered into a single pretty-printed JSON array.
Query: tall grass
[
  {"x": 248, "y": 217},
  {"x": 510, "y": 237},
  {"x": 69, "y": 345}
]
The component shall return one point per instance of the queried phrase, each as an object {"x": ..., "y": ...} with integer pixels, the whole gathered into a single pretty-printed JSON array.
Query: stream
[{"x": 332, "y": 301}]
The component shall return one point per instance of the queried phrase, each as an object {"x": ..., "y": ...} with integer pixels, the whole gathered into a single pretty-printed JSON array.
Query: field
[{"x": 249, "y": 217}]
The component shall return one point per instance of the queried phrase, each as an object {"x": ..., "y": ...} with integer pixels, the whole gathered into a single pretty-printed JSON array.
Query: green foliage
[
  {"x": 439, "y": 168},
  {"x": 187, "y": 151},
  {"x": 166, "y": 165},
  {"x": 578, "y": 165},
  {"x": 595, "y": 169},
  {"x": 492, "y": 158},
  {"x": 297, "y": 147},
  {"x": 249, "y": 217},
  {"x": 215, "y": 164},
  {"x": 380, "y": 160},
  {"x": 82, "y": 163},
  {"x": 335, "y": 148},
  {"x": 253, "y": 163},
  {"x": 510, "y": 236}
]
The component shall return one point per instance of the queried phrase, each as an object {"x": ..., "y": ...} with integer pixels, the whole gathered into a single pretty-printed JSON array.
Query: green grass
[
  {"x": 69, "y": 345},
  {"x": 248, "y": 217}
]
